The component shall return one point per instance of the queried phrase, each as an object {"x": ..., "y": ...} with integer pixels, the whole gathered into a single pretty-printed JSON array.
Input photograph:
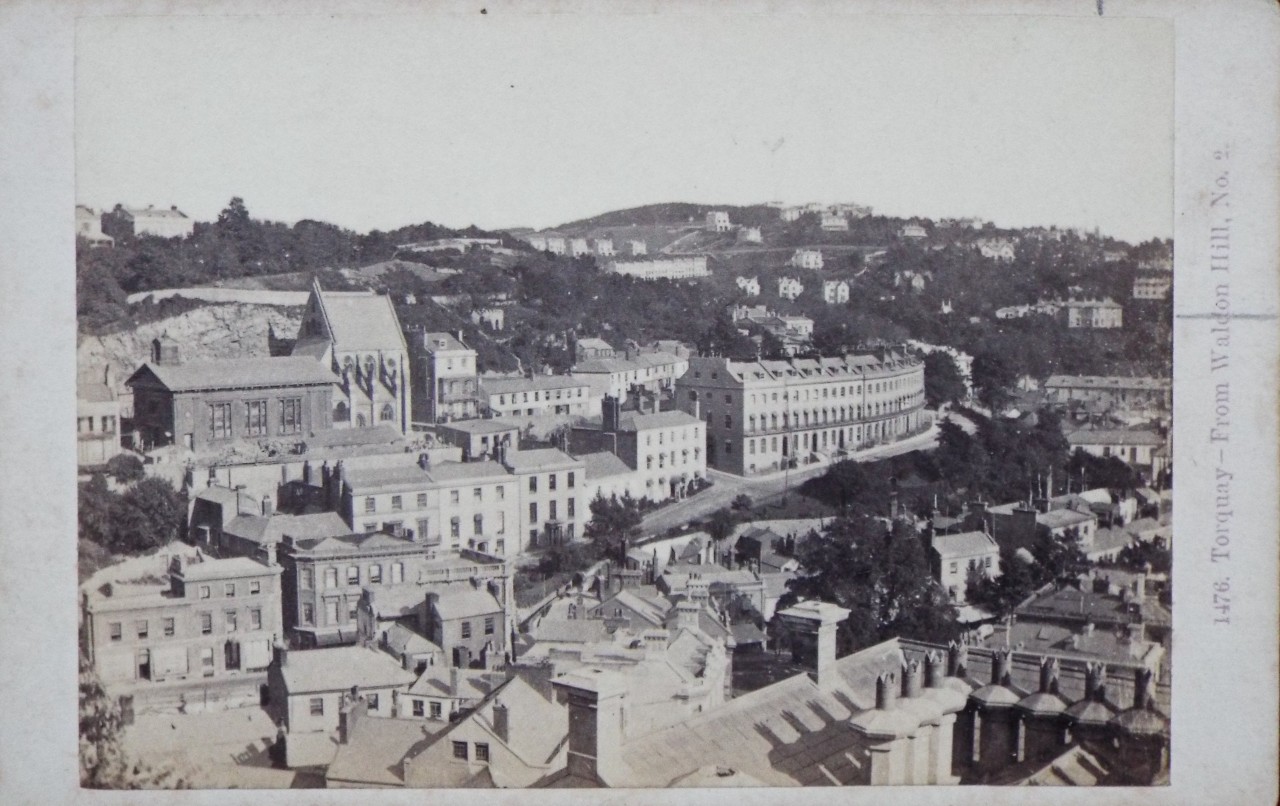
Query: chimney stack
[
  {"x": 1141, "y": 687},
  {"x": 687, "y": 615},
  {"x": 268, "y": 507},
  {"x": 1000, "y": 659},
  {"x": 886, "y": 692},
  {"x": 815, "y": 624},
  {"x": 502, "y": 722},
  {"x": 595, "y": 699},
  {"x": 1049, "y": 675},
  {"x": 957, "y": 659},
  {"x": 934, "y": 669},
  {"x": 1095, "y": 681},
  {"x": 912, "y": 678}
]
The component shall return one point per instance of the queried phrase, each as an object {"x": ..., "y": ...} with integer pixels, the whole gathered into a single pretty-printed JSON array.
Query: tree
[
  {"x": 613, "y": 521},
  {"x": 152, "y": 514},
  {"x": 993, "y": 376},
  {"x": 879, "y": 574},
  {"x": 1146, "y": 557},
  {"x": 719, "y": 524},
  {"x": 1001, "y": 595},
  {"x": 125, "y": 468},
  {"x": 742, "y": 503},
  {"x": 943, "y": 382}
]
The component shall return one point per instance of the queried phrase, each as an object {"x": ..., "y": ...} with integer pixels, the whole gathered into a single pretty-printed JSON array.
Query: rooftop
[
  {"x": 466, "y": 604},
  {"x": 603, "y": 465},
  {"x": 362, "y": 321},
  {"x": 1101, "y": 436},
  {"x": 236, "y": 373},
  {"x": 376, "y": 748},
  {"x": 340, "y": 668},
  {"x": 227, "y": 568},
  {"x": 964, "y": 544},
  {"x": 481, "y": 426},
  {"x": 270, "y": 529},
  {"x": 539, "y": 459},
  {"x": 631, "y": 421},
  {"x": 503, "y": 386}
]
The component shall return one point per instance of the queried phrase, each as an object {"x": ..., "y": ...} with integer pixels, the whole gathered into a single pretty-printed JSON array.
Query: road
[{"x": 726, "y": 487}]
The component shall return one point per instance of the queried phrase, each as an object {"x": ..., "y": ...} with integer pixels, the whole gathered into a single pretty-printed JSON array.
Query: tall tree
[
  {"x": 881, "y": 575},
  {"x": 943, "y": 382}
]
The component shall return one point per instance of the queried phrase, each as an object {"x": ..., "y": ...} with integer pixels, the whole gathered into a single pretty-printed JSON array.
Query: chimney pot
[{"x": 887, "y": 691}]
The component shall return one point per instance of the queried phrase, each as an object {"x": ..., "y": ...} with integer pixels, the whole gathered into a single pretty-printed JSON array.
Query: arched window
[
  {"x": 388, "y": 412},
  {"x": 340, "y": 413}
]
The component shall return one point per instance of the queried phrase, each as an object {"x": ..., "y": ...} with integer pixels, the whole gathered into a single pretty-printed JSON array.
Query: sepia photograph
[{"x": 641, "y": 400}]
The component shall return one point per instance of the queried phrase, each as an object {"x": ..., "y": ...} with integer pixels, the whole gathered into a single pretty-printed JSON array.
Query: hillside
[
  {"x": 210, "y": 331},
  {"x": 670, "y": 213}
]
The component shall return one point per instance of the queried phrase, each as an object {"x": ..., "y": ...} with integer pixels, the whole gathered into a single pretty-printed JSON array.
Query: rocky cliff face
[{"x": 231, "y": 330}]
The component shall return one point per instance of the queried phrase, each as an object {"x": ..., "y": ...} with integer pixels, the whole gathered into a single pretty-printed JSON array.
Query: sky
[{"x": 511, "y": 119}]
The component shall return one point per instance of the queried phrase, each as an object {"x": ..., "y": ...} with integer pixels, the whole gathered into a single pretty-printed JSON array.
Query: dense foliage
[
  {"x": 1052, "y": 561},
  {"x": 149, "y": 514},
  {"x": 881, "y": 575},
  {"x": 615, "y": 522},
  {"x": 943, "y": 382}
]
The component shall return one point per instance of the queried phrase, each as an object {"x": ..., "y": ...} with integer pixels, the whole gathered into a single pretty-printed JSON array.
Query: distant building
[
  {"x": 208, "y": 405},
  {"x": 450, "y": 383},
  {"x": 806, "y": 259},
  {"x": 603, "y": 247},
  {"x": 789, "y": 287},
  {"x": 549, "y": 241},
  {"x": 790, "y": 214},
  {"x": 749, "y": 286},
  {"x": 492, "y": 317},
  {"x": 358, "y": 336},
  {"x": 835, "y": 292},
  {"x": 761, "y": 415},
  {"x": 636, "y": 248},
  {"x": 1139, "y": 447},
  {"x": 997, "y": 249},
  {"x": 666, "y": 268},
  {"x": 553, "y": 509},
  {"x": 481, "y": 438},
  {"x": 206, "y": 620},
  {"x": 591, "y": 347},
  {"x": 89, "y": 227},
  {"x": 955, "y": 556},
  {"x": 469, "y": 626},
  {"x": 653, "y": 372},
  {"x": 97, "y": 417},
  {"x": 913, "y": 231},
  {"x": 1152, "y": 286},
  {"x": 1104, "y": 313},
  {"x": 536, "y": 396},
  {"x": 157, "y": 221},
  {"x": 579, "y": 247},
  {"x": 750, "y": 235},
  {"x": 833, "y": 222},
  {"x": 718, "y": 221},
  {"x": 1110, "y": 391},
  {"x": 666, "y": 449}
]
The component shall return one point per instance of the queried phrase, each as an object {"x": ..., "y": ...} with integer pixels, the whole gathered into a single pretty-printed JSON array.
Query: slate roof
[
  {"x": 376, "y": 748},
  {"x": 404, "y": 640},
  {"x": 1101, "y": 436},
  {"x": 362, "y": 321},
  {"x": 466, "y": 604},
  {"x": 660, "y": 419},
  {"x": 603, "y": 465},
  {"x": 431, "y": 342},
  {"x": 354, "y": 542},
  {"x": 340, "y": 668},
  {"x": 437, "y": 681},
  {"x": 501, "y": 386},
  {"x": 612, "y": 365},
  {"x": 539, "y": 459},
  {"x": 236, "y": 373},
  {"x": 1061, "y": 518},
  {"x": 963, "y": 544},
  {"x": 226, "y": 568},
  {"x": 571, "y": 631},
  {"x": 481, "y": 426},
  {"x": 786, "y": 734},
  {"x": 268, "y": 530}
]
